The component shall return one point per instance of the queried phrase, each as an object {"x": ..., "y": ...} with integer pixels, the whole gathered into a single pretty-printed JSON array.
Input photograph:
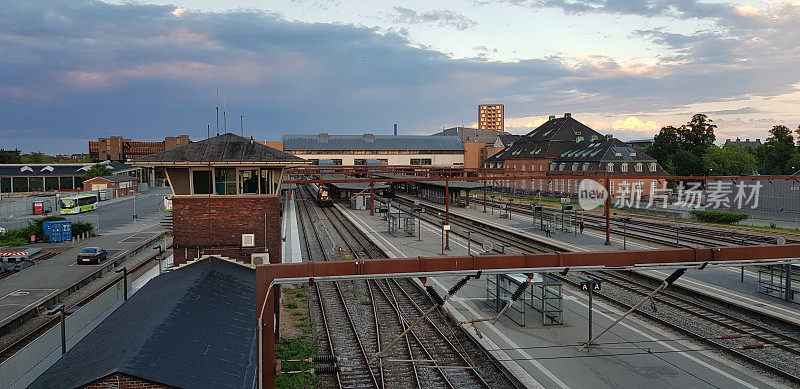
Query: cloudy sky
[{"x": 76, "y": 70}]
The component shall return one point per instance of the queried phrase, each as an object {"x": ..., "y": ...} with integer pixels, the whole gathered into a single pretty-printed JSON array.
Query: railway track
[
  {"x": 661, "y": 233},
  {"x": 428, "y": 356},
  {"x": 717, "y": 322}
]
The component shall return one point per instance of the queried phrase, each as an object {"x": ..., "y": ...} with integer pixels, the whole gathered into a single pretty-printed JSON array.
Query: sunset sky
[{"x": 78, "y": 70}]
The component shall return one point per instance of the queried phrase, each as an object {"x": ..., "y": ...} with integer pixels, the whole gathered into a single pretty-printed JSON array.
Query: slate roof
[
  {"x": 192, "y": 327},
  {"x": 551, "y": 139},
  {"x": 42, "y": 170},
  {"x": 506, "y": 139},
  {"x": 372, "y": 142},
  {"x": 225, "y": 148}
]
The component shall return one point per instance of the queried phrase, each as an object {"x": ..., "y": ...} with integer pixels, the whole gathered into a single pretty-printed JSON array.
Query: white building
[{"x": 388, "y": 149}]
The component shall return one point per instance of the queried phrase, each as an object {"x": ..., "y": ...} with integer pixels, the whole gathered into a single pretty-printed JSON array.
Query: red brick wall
[
  {"x": 214, "y": 226},
  {"x": 123, "y": 381}
]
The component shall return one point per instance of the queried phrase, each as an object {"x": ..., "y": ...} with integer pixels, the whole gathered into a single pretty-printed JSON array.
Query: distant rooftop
[
  {"x": 225, "y": 148},
  {"x": 191, "y": 327},
  {"x": 325, "y": 141},
  {"x": 56, "y": 169}
]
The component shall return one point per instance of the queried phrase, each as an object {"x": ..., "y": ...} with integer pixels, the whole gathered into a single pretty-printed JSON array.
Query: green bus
[{"x": 77, "y": 204}]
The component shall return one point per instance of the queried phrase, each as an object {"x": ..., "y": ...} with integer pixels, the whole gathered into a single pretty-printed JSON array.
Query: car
[{"x": 92, "y": 255}]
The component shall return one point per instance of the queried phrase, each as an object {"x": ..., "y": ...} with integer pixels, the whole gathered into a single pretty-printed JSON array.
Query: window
[
  {"x": 639, "y": 167},
  {"x": 561, "y": 166},
  {"x": 624, "y": 168},
  {"x": 66, "y": 183},
  {"x": 585, "y": 166},
  {"x": 420, "y": 161},
  {"x": 552, "y": 166},
  {"x": 20, "y": 184},
  {"x": 269, "y": 181},
  {"x": 359, "y": 162},
  {"x": 225, "y": 181},
  {"x": 51, "y": 183},
  {"x": 36, "y": 184},
  {"x": 652, "y": 187},
  {"x": 337, "y": 162},
  {"x": 611, "y": 187},
  {"x": 610, "y": 168},
  {"x": 575, "y": 166},
  {"x": 569, "y": 185},
  {"x": 201, "y": 181},
  {"x": 248, "y": 181},
  {"x": 652, "y": 166},
  {"x": 87, "y": 200}
]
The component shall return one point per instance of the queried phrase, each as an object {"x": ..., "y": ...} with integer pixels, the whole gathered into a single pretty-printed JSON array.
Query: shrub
[
  {"x": 721, "y": 217},
  {"x": 79, "y": 228}
]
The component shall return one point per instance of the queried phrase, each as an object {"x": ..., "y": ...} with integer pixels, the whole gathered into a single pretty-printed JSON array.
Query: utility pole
[{"x": 241, "y": 124}]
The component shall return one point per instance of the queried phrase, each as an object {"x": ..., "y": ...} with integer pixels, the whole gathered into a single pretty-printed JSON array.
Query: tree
[
  {"x": 794, "y": 163},
  {"x": 34, "y": 158},
  {"x": 729, "y": 160},
  {"x": 665, "y": 145},
  {"x": 98, "y": 170},
  {"x": 776, "y": 151},
  {"x": 698, "y": 135},
  {"x": 688, "y": 163}
]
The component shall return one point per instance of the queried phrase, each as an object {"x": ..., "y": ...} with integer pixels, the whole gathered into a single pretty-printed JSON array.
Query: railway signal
[{"x": 590, "y": 284}]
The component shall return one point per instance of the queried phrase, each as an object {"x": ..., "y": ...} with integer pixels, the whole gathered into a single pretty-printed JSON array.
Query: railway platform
[
  {"x": 719, "y": 283},
  {"x": 633, "y": 354}
]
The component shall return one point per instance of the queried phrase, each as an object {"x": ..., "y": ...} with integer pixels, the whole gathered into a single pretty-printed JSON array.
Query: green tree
[
  {"x": 794, "y": 163},
  {"x": 9, "y": 156},
  {"x": 729, "y": 160},
  {"x": 688, "y": 163},
  {"x": 775, "y": 153},
  {"x": 98, "y": 170},
  {"x": 698, "y": 135},
  {"x": 665, "y": 145},
  {"x": 34, "y": 158}
]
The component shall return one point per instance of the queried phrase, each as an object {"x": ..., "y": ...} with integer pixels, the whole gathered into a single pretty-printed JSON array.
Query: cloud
[
  {"x": 635, "y": 124},
  {"x": 744, "y": 110},
  {"x": 441, "y": 18}
]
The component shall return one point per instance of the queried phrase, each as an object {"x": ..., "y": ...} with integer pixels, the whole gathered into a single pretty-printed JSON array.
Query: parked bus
[{"x": 77, "y": 204}]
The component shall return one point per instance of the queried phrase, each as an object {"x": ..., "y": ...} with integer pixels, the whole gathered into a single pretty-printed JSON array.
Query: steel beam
[{"x": 268, "y": 277}]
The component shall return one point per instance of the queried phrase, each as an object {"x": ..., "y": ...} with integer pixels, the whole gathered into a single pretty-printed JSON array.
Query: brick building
[
  {"x": 123, "y": 185},
  {"x": 226, "y": 195},
  {"x": 564, "y": 147},
  {"x": 479, "y": 144},
  {"x": 491, "y": 117},
  {"x": 117, "y": 148}
]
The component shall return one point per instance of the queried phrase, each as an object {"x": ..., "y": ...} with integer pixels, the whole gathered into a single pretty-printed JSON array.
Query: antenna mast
[
  {"x": 217, "y": 111},
  {"x": 241, "y": 124}
]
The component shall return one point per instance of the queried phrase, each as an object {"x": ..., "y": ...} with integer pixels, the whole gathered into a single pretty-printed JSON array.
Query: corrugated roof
[
  {"x": 222, "y": 148},
  {"x": 372, "y": 142},
  {"x": 192, "y": 327}
]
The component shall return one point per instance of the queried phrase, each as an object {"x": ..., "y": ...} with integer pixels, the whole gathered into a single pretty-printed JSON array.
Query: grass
[
  {"x": 366, "y": 302},
  {"x": 297, "y": 348},
  {"x": 290, "y": 304}
]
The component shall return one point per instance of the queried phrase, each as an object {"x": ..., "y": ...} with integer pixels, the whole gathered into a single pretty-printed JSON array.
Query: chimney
[
  {"x": 395, "y": 129},
  {"x": 567, "y": 115},
  {"x": 747, "y": 140},
  {"x": 609, "y": 136},
  {"x": 728, "y": 140},
  {"x": 369, "y": 136},
  {"x": 552, "y": 117},
  {"x": 758, "y": 140}
]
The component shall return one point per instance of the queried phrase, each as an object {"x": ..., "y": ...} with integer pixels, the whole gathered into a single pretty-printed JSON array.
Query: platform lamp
[
  {"x": 61, "y": 311},
  {"x": 158, "y": 256},
  {"x": 492, "y": 196},
  {"x": 418, "y": 209},
  {"x": 625, "y": 221}
]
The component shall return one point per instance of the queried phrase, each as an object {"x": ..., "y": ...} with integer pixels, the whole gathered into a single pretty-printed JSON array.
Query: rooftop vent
[
  {"x": 552, "y": 117},
  {"x": 567, "y": 115},
  {"x": 609, "y": 136},
  {"x": 323, "y": 135},
  {"x": 47, "y": 168},
  {"x": 25, "y": 168},
  {"x": 369, "y": 138}
]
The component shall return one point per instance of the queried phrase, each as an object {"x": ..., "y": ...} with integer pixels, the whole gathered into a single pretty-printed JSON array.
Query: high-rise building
[
  {"x": 117, "y": 148},
  {"x": 490, "y": 117}
]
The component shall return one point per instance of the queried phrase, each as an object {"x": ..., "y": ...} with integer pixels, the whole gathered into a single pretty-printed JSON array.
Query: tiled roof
[
  {"x": 225, "y": 148},
  {"x": 192, "y": 327},
  {"x": 372, "y": 142}
]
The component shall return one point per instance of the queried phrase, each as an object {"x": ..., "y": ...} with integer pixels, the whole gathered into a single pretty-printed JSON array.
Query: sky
[{"x": 73, "y": 71}]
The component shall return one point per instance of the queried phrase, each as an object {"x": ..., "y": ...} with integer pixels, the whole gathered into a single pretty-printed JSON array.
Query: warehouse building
[
  {"x": 395, "y": 150},
  {"x": 117, "y": 148},
  {"x": 39, "y": 178}
]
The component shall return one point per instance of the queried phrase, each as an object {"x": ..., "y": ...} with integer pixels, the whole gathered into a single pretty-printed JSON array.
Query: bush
[
  {"x": 721, "y": 217},
  {"x": 79, "y": 228}
]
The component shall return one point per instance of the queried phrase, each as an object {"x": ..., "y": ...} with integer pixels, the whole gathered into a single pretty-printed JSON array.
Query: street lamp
[
  {"x": 492, "y": 196},
  {"x": 469, "y": 242},
  {"x": 418, "y": 209},
  {"x": 625, "y": 221},
  {"x": 124, "y": 271},
  {"x": 59, "y": 309},
  {"x": 158, "y": 257}
]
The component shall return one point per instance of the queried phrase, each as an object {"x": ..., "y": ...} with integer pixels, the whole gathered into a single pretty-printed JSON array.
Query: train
[{"x": 321, "y": 195}]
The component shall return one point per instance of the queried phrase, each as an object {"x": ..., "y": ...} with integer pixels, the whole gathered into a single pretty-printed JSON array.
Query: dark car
[{"x": 92, "y": 255}]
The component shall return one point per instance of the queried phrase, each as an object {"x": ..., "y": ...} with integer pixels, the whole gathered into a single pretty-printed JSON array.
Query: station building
[
  {"x": 41, "y": 178},
  {"x": 564, "y": 147},
  {"x": 230, "y": 185},
  {"x": 479, "y": 144},
  {"x": 394, "y": 150}
]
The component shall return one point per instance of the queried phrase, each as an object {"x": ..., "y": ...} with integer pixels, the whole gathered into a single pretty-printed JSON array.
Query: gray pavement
[
  {"x": 548, "y": 356},
  {"x": 28, "y": 288}
]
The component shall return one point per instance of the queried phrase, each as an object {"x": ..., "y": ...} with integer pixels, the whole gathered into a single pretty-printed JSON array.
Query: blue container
[
  {"x": 58, "y": 231},
  {"x": 66, "y": 231}
]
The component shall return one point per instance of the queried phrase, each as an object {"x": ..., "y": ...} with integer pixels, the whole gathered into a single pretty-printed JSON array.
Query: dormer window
[
  {"x": 639, "y": 167},
  {"x": 552, "y": 166},
  {"x": 561, "y": 166},
  {"x": 585, "y": 166},
  {"x": 624, "y": 168},
  {"x": 632, "y": 154},
  {"x": 47, "y": 168},
  {"x": 575, "y": 166},
  {"x": 617, "y": 154},
  {"x": 610, "y": 168},
  {"x": 653, "y": 166},
  {"x": 26, "y": 169}
]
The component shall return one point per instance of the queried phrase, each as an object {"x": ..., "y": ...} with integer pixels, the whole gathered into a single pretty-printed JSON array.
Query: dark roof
[
  {"x": 371, "y": 142},
  {"x": 58, "y": 169},
  {"x": 602, "y": 150},
  {"x": 551, "y": 139},
  {"x": 225, "y": 148},
  {"x": 191, "y": 327},
  {"x": 506, "y": 139},
  {"x": 474, "y": 135},
  {"x": 441, "y": 184}
]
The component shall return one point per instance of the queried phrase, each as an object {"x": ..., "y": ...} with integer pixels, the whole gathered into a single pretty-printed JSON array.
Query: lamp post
[
  {"x": 625, "y": 221},
  {"x": 158, "y": 257},
  {"x": 59, "y": 309},
  {"x": 124, "y": 271},
  {"x": 492, "y": 196},
  {"x": 469, "y": 242},
  {"x": 418, "y": 209}
]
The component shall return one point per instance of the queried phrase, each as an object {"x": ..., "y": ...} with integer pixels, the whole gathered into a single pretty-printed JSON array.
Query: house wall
[
  {"x": 473, "y": 151},
  {"x": 454, "y": 159},
  {"x": 123, "y": 381},
  {"x": 228, "y": 217},
  {"x": 179, "y": 180}
]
